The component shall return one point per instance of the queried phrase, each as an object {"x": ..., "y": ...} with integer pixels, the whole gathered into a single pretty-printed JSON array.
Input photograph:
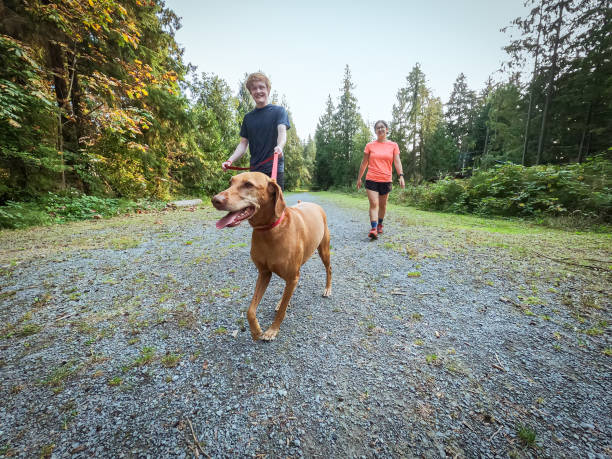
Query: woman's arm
[
  {"x": 364, "y": 163},
  {"x": 400, "y": 171}
]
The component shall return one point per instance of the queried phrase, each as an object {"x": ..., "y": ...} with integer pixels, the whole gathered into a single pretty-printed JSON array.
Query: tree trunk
[
  {"x": 56, "y": 55},
  {"x": 551, "y": 81},
  {"x": 422, "y": 159},
  {"x": 415, "y": 96},
  {"x": 533, "y": 77},
  {"x": 486, "y": 142},
  {"x": 57, "y": 63},
  {"x": 585, "y": 131}
]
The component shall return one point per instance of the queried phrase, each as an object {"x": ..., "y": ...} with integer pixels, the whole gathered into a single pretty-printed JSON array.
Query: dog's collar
[{"x": 271, "y": 225}]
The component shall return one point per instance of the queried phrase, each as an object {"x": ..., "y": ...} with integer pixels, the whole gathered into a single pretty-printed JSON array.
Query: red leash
[
  {"x": 274, "y": 167},
  {"x": 271, "y": 158}
]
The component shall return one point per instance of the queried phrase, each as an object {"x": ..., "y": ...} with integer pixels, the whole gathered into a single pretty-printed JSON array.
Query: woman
[{"x": 378, "y": 157}]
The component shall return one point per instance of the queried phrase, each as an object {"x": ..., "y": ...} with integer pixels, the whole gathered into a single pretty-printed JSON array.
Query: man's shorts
[{"x": 382, "y": 188}]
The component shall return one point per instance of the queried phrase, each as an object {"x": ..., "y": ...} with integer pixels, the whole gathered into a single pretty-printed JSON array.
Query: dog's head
[{"x": 251, "y": 195}]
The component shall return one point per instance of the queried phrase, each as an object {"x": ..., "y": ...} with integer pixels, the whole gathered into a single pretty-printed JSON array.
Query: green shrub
[
  {"x": 71, "y": 206},
  {"x": 582, "y": 191},
  {"x": 22, "y": 215},
  {"x": 446, "y": 194}
]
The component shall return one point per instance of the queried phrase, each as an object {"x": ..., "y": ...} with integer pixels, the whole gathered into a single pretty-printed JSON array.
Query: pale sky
[{"x": 304, "y": 46}]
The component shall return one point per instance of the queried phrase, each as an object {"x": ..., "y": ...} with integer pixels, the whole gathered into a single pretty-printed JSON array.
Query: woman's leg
[
  {"x": 382, "y": 205},
  {"x": 374, "y": 199}
]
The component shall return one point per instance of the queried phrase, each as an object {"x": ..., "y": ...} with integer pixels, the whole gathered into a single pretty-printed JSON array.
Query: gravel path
[{"x": 129, "y": 338}]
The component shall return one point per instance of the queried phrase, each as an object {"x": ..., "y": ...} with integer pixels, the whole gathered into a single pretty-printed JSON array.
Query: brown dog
[{"x": 283, "y": 238}]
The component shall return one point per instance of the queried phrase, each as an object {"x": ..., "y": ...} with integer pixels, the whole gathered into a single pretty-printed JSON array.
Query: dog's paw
[
  {"x": 279, "y": 303},
  {"x": 269, "y": 335},
  {"x": 256, "y": 335},
  {"x": 327, "y": 292}
]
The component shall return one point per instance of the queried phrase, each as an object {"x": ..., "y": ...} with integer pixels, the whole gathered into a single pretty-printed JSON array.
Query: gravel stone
[{"x": 391, "y": 365}]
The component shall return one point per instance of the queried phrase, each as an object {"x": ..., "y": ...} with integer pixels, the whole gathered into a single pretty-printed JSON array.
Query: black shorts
[{"x": 382, "y": 188}]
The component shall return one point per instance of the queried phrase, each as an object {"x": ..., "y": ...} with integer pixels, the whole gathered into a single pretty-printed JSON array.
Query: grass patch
[
  {"x": 594, "y": 331},
  {"x": 59, "y": 375},
  {"x": 116, "y": 381},
  {"x": 170, "y": 360},
  {"x": 28, "y": 330},
  {"x": 47, "y": 451},
  {"x": 147, "y": 354},
  {"x": 555, "y": 252},
  {"x": 526, "y": 434},
  {"x": 123, "y": 243},
  {"x": 455, "y": 367}
]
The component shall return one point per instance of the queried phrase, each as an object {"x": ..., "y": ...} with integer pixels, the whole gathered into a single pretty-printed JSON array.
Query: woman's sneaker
[
  {"x": 379, "y": 229},
  {"x": 373, "y": 234}
]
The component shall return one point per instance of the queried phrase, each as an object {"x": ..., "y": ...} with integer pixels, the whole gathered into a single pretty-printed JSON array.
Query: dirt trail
[{"x": 128, "y": 338}]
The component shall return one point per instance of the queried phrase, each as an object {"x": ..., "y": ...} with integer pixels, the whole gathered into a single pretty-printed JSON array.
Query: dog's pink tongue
[{"x": 227, "y": 220}]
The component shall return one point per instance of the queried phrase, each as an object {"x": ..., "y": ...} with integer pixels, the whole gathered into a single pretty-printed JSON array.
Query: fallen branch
[
  {"x": 196, "y": 441},
  {"x": 65, "y": 316},
  {"x": 501, "y": 367},
  {"x": 567, "y": 262},
  {"x": 493, "y": 436}
]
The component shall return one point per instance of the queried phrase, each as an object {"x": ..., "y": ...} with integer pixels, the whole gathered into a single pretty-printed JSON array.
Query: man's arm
[
  {"x": 281, "y": 139},
  {"x": 240, "y": 150}
]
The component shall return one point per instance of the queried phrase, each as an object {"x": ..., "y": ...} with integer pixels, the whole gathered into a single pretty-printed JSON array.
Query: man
[{"x": 263, "y": 131}]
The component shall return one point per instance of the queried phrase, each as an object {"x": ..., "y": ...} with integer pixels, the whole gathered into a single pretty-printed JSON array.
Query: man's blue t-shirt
[{"x": 259, "y": 127}]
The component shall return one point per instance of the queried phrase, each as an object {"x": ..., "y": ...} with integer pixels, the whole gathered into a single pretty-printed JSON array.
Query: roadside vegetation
[
  {"x": 578, "y": 192},
  {"x": 572, "y": 196}
]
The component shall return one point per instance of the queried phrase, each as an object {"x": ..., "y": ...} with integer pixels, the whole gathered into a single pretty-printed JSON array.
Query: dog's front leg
[
  {"x": 271, "y": 332},
  {"x": 263, "y": 279}
]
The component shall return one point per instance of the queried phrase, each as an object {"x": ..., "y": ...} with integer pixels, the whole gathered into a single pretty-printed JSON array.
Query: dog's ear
[{"x": 279, "y": 201}]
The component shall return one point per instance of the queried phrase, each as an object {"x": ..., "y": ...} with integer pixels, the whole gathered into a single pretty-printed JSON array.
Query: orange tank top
[{"x": 381, "y": 160}]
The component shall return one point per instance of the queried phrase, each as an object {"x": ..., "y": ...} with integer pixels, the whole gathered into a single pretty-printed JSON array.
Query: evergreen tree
[
  {"x": 504, "y": 122},
  {"x": 310, "y": 154},
  {"x": 346, "y": 122},
  {"x": 297, "y": 173},
  {"x": 406, "y": 125},
  {"x": 105, "y": 64},
  {"x": 460, "y": 113},
  {"x": 441, "y": 152},
  {"x": 561, "y": 36},
  {"x": 245, "y": 101},
  {"x": 215, "y": 134},
  {"x": 435, "y": 158},
  {"x": 324, "y": 145}
]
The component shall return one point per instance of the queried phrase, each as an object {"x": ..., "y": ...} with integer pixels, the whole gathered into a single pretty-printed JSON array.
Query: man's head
[{"x": 259, "y": 86}]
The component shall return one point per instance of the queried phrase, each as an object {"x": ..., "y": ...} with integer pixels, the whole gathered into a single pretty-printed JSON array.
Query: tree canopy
[{"x": 95, "y": 97}]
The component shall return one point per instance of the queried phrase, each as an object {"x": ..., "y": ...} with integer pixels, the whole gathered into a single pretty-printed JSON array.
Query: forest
[{"x": 97, "y": 103}]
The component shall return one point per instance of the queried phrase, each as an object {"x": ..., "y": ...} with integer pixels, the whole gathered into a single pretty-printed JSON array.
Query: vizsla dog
[{"x": 283, "y": 238}]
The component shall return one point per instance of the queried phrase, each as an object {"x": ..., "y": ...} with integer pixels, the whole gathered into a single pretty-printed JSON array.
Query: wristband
[{"x": 401, "y": 175}]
